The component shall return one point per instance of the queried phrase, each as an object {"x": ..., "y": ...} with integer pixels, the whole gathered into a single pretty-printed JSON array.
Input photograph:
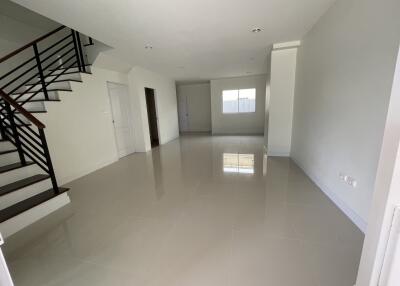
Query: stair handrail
[
  {"x": 22, "y": 110},
  {"x": 32, "y": 144},
  {"x": 17, "y": 51}
]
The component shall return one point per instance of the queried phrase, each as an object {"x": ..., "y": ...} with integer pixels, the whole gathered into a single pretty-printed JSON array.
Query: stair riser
[
  {"x": 74, "y": 76},
  {"x": 52, "y": 95},
  {"x": 19, "y": 174},
  {"x": 32, "y": 215},
  {"x": 6, "y": 145},
  {"x": 24, "y": 193},
  {"x": 9, "y": 158},
  {"x": 55, "y": 85},
  {"x": 22, "y": 117},
  {"x": 34, "y": 106}
]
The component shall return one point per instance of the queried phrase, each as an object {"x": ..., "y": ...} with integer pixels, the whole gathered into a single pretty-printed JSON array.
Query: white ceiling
[{"x": 191, "y": 39}]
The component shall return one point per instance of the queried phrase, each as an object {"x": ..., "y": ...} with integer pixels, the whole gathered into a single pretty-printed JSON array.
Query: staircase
[{"x": 29, "y": 77}]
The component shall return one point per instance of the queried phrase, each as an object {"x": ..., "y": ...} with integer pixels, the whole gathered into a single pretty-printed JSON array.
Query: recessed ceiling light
[
  {"x": 256, "y": 30},
  {"x": 148, "y": 47},
  {"x": 248, "y": 72}
]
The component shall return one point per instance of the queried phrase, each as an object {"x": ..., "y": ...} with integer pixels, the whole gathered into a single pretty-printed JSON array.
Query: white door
[
  {"x": 122, "y": 119},
  {"x": 183, "y": 113}
]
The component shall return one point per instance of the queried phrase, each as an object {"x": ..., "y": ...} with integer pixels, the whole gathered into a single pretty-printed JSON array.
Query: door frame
[
  {"x": 157, "y": 114},
  {"x": 130, "y": 118}
]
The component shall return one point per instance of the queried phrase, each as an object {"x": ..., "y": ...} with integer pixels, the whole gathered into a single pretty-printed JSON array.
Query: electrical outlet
[
  {"x": 352, "y": 182},
  {"x": 349, "y": 180}
]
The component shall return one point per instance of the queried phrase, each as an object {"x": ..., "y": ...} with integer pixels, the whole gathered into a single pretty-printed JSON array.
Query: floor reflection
[
  {"x": 238, "y": 163},
  {"x": 178, "y": 215}
]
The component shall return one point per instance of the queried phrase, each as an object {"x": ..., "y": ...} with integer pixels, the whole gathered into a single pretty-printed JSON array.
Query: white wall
[
  {"x": 345, "y": 71},
  {"x": 245, "y": 123},
  {"x": 166, "y": 103},
  {"x": 283, "y": 76},
  {"x": 13, "y": 35},
  {"x": 79, "y": 129},
  {"x": 198, "y": 105}
]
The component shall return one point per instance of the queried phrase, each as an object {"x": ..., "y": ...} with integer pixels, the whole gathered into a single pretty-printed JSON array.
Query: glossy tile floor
[{"x": 199, "y": 211}]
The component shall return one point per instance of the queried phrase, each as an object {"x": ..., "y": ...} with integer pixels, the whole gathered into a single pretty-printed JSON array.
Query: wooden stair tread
[
  {"x": 57, "y": 80},
  {"x": 38, "y": 100},
  {"x": 74, "y": 67},
  {"x": 48, "y": 90},
  {"x": 74, "y": 72},
  {"x": 33, "y": 111},
  {"x": 13, "y": 166},
  {"x": 9, "y": 188},
  {"x": 8, "y": 151},
  {"x": 29, "y": 203},
  {"x": 22, "y": 125}
]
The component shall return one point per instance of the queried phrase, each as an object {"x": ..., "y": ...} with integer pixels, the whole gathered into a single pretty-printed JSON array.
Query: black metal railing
[{"x": 26, "y": 73}]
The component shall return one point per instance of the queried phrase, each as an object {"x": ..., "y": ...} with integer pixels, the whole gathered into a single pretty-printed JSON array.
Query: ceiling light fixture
[
  {"x": 256, "y": 30},
  {"x": 148, "y": 47}
]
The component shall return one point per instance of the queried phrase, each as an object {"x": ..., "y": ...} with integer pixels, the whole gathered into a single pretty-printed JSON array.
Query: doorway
[
  {"x": 152, "y": 117},
  {"x": 122, "y": 119}
]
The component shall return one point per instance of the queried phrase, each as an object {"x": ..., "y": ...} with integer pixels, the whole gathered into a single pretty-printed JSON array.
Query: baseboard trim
[
  {"x": 86, "y": 171},
  {"x": 278, "y": 154},
  {"x": 354, "y": 217},
  {"x": 237, "y": 134},
  {"x": 195, "y": 132}
]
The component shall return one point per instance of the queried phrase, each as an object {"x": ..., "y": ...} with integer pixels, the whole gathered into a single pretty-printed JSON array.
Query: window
[
  {"x": 239, "y": 101},
  {"x": 239, "y": 163}
]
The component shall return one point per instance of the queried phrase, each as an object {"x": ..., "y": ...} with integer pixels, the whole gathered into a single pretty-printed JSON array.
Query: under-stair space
[{"x": 30, "y": 77}]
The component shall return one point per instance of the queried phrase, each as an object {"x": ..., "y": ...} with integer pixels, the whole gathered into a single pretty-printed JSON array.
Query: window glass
[
  {"x": 230, "y": 101},
  {"x": 238, "y": 163},
  {"x": 247, "y": 100},
  {"x": 239, "y": 101}
]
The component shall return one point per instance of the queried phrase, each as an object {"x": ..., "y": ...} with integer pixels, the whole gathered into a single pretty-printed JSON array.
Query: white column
[{"x": 282, "y": 85}]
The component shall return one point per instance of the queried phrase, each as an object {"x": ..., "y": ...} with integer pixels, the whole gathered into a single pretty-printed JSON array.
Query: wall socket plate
[{"x": 348, "y": 180}]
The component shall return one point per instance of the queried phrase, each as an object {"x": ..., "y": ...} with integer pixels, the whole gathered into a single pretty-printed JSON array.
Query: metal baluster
[
  {"x": 48, "y": 159},
  {"x": 2, "y": 127},
  {"x": 17, "y": 141},
  {"x": 80, "y": 51},
  {"x": 39, "y": 65},
  {"x": 78, "y": 60}
]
